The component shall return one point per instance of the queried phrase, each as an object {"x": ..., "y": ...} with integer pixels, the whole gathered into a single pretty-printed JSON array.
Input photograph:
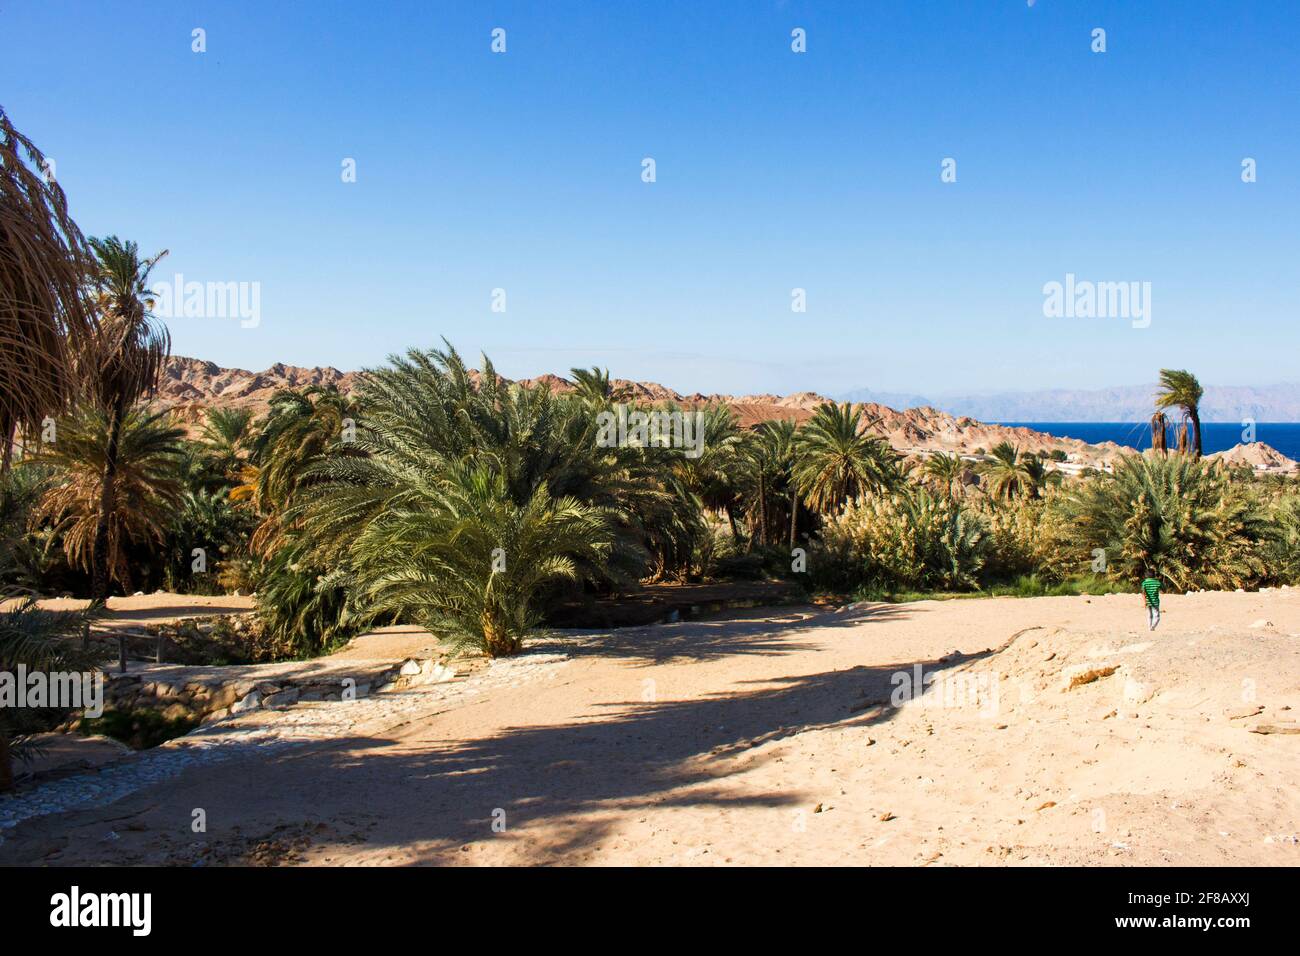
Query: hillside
[{"x": 191, "y": 385}]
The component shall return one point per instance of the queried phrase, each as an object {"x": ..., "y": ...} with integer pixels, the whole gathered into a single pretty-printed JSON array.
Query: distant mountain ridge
[
  {"x": 189, "y": 386},
  {"x": 1130, "y": 403}
]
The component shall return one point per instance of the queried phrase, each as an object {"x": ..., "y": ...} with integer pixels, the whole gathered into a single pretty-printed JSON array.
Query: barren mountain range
[{"x": 190, "y": 385}]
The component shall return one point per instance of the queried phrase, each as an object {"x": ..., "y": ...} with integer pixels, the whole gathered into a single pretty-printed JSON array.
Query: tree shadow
[
  {"x": 762, "y": 631},
  {"x": 563, "y": 787},
  {"x": 578, "y": 778}
]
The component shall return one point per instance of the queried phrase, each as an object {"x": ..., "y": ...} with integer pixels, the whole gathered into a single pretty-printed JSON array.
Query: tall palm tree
[
  {"x": 146, "y": 494},
  {"x": 838, "y": 459},
  {"x": 1180, "y": 389},
  {"x": 715, "y": 475},
  {"x": 43, "y": 306},
  {"x": 771, "y": 489},
  {"x": 121, "y": 362}
]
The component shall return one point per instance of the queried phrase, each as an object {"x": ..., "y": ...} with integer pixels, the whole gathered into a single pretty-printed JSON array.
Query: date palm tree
[
  {"x": 1005, "y": 472},
  {"x": 944, "y": 471},
  {"x": 838, "y": 459},
  {"x": 458, "y": 556},
  {"x": 1180, "y": 389},
  {"x": 43, "y": 306},
  {"x": 225, "y": 440},
  {"x": 1174, "y": 515},
  {"x": 146, "y": 494},
  {"x": 594, "y": 385},
  {"x": 120, "y": 361}
]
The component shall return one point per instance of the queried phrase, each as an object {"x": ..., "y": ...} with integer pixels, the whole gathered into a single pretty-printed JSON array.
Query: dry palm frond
[{"x": 43, "y": 307}]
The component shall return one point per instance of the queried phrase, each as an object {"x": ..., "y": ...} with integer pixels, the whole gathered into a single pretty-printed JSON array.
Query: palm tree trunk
[
  {"x": 1195, "y": 415},
  {"x": 107, "y": 503},
  {"x": 794, "y": 515},
  {"x": 762, "y": 510},
  {"x": 1159, "y": 435}
]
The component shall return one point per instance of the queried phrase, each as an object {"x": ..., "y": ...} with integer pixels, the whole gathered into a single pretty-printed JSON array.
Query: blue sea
[{"x": 1216, "y": 436}]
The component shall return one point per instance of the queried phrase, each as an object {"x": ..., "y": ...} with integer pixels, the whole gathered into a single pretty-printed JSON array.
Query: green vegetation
[
  {"x": 444, "y": 496},
  {"x": 138, "y": 729}
]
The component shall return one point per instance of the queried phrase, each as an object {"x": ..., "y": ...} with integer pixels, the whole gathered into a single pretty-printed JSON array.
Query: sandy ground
[
  {"x": 772, "y": 739},
  {"x": 159, "y": 608}
]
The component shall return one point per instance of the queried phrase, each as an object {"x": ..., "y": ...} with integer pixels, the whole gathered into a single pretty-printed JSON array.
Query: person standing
[{"x": 1151, "y": 587}]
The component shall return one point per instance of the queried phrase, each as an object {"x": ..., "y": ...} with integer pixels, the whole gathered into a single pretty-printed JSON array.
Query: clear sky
[{"x": 775, "y": 170}]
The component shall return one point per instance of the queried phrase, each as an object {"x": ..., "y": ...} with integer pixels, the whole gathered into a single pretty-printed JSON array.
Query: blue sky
[{"x": 775, "y": 170}]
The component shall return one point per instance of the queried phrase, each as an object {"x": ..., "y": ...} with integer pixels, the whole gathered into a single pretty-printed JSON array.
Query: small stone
[
  {"x": 250, "y": 701},
  {"x": 1236, "y": 713},
  {"x": 284, "y": 698}
]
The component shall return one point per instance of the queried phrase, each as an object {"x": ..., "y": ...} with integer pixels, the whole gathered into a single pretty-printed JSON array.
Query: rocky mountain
[{"x": 190, "y": 385}]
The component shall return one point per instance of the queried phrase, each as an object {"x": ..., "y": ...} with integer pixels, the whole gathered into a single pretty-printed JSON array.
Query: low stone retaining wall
[{"x": 211, "y": 697}]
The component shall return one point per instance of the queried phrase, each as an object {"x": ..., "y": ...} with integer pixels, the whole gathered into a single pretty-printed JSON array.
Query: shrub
[{"x": 911, "y": 540}]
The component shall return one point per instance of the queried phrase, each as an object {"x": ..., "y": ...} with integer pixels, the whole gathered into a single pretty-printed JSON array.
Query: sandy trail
[{"x": 771, "y": 739}]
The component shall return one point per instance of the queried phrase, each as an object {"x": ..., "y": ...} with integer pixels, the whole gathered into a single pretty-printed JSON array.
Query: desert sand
[{"x": 1060, "y": 731}]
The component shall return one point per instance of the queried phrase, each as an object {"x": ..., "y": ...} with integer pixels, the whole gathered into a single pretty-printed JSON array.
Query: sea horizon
[{"x": 1215, "y": 437}]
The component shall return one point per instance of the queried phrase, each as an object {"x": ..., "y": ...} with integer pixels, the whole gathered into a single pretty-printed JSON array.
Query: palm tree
[
  {"x": 458, "y": 556},
  {"x": 121, "y": 362},
  {"x": 43, "y": 307},
  {"x": 1036, "y": 475},
  {"x": 1180, "y": 389},
  {"x": 146, "y": 495},
  {"x": 715, "y": 475},
  {"x": 837, "y": 459},
  {"x": 1007, "y": 478},
  {"x": 225, "y": 439},
  {"x": 1173, "y": 516},
  {"x": 301, "y": 427},
  {"x": 426, "y": 419},
  {"x": 770, "y": 486},
  {"x": 944, "y": 471},
  {"x": 594, "y": 385}
]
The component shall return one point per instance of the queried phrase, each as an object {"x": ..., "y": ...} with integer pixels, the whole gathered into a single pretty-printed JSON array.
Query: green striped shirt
[{"x": 1152, "y": 587}]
